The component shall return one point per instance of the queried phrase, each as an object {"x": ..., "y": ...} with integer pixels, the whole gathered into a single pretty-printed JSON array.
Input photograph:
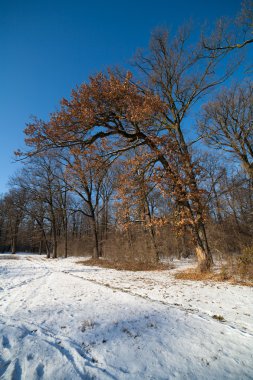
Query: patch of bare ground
[
  {"x": 128, "y": 266},
  {"x": 217, "y": 276}
]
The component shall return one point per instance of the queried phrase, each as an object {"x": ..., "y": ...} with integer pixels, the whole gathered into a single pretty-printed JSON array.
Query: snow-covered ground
[{"x": 63, "y": 320}]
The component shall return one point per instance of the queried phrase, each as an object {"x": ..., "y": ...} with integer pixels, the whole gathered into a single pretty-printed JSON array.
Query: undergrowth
[
  {"x": 237, "y": 271},
  {"x": 129, "y": 266}
]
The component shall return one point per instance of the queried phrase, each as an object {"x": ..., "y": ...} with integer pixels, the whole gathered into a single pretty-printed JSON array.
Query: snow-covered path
[{"x": 61, "y": 320}]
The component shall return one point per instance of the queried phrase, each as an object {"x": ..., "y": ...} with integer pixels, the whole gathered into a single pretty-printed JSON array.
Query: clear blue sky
[{"x": 47, "y": 47}]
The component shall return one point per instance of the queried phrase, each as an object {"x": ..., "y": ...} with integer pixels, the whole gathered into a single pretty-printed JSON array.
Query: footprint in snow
[
  {"x": 4, "y": 365},
  {"x": 40, "y": 371},
  {"x": 6, "y": 342},
  {"x": 29, "y": 357},
  {"x": 17, "y": 372}
]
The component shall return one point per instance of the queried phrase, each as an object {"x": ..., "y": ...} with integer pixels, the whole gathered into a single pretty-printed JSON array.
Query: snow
[{"x": 62, "y": 320}]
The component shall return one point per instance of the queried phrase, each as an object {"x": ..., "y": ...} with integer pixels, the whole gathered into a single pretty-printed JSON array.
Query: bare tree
[
  {"x": 227, "y": 123},
  {"x": 43, "y": 182},
  {"x": 86, "y": 177},
  {"x": 233, "y": 34},
  {"x": 14, "y": 203}
]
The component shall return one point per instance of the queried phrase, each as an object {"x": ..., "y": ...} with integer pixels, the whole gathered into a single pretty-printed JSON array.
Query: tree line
[{"x": 122, "y": 169}]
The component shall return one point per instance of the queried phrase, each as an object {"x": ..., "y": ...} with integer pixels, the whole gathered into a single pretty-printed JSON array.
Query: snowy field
[{"x": 62, "y": 320}]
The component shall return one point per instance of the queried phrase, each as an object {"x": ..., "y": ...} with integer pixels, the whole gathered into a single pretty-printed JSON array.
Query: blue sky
[{"x": 48, "y": 47}]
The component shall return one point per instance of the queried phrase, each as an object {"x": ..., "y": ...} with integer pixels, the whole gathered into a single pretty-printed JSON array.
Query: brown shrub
[
  {"x": 220, "y": 276},
  {"x": 245, "y": 263}
]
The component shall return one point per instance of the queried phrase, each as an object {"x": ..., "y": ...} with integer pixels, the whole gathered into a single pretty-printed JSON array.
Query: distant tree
[
  {"x": 227, "y": 123},
  {"x": 233, "y": 34},
  {"x": 239, "y": 202},
  {"x": 86, "y": 176},
  {"x": 42, "y": 179},
  {"x": 14, "y": 202},
  {"x": 213, "y": 177},
  {"x": 136, "y": 184}
]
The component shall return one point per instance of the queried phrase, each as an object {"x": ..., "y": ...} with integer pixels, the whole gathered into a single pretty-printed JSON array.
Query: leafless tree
[
  {"x": 232, "y": 34},
  {"x": 227, "y": 123}
]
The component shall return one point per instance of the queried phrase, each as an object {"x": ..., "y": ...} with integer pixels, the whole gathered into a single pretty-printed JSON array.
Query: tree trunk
[
  {"x": 198, "y": 230},
  {"x": 195, "y": 208},
  {"x": 54, "y": 253},
  {"x": 54, "y": 233},
  {"x": 154, "y": 245},
  {"x": 65, "y": 237},
  {"x": 14, "y": 236},
  {"x": 40, "y": 247},
  {"x": 13, "y": 245},
  {"x": 66, "y": 245},
  {"x": 46, "y": 242},
  {"x": 203, "y": 253},
  {"x": 96, "y": 251},
  {"x": 202, "y": 250},
  {"x": 48, "y": 250},
  {"x": 185, "y": 249},
  {"x": 218, "y": 206}
]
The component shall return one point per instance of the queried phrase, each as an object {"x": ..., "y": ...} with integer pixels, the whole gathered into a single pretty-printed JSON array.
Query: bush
[{"x": 245, "y": 263}]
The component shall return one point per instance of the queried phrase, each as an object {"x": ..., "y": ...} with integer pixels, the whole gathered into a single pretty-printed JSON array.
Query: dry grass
[
  {"x": 9, "y": 257},
  {"x": 128, "y": 266},
  {"x": 244, "y": 263},
  {"x": 221, "y": 276},
  {"x": 196, "y": 275},
  {"x": 218, "y": 318}
]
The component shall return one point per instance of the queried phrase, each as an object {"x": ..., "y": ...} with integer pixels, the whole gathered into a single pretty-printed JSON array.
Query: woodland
[{"x": 145, "y": 164}]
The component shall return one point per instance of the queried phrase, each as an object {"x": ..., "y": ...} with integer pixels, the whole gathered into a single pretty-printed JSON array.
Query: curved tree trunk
[
  {"x": 198, "y": 230},
  {"x": 202, "y": 250},
  {"x": 195, "y": 207}
]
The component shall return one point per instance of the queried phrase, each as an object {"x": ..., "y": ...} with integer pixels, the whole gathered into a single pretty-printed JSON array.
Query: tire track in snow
[
  {"x": 67, "y": 347},
  {"x": 200, "y": 314},
  {"x": 25, "y": 282},
  {"x": 73, "y": 352},
  {"x": 22, "y": 283}
]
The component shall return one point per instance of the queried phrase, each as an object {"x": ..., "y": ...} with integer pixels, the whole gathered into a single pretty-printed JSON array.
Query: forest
[{"x": 145, "y": 164}]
